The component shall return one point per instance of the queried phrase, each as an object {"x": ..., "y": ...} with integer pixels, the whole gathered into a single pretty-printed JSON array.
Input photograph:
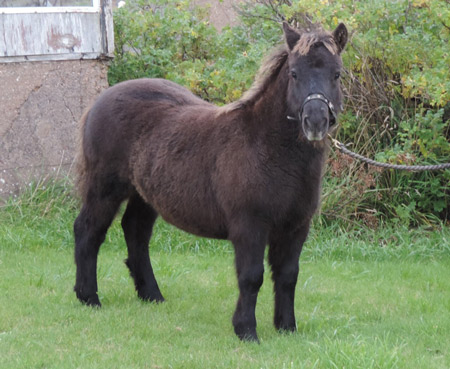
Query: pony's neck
[{"x": 271, "y": 107}]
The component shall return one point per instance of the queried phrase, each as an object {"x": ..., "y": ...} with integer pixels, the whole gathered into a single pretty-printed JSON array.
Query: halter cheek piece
[{"x": 324, "y": 100}]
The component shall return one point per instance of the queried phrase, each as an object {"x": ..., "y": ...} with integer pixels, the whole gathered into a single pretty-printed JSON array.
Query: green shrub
[
  {"x": 155, "y": 38},
  {"x": 174, "y": 40}
]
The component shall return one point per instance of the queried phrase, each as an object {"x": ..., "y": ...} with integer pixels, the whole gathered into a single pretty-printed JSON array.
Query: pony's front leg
[
  {"x": 249, "y": 244},
  {"x": 284, "y": 253}
]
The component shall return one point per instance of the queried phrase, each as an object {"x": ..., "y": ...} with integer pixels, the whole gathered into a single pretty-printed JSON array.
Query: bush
[{"x": 174, "y": 40}]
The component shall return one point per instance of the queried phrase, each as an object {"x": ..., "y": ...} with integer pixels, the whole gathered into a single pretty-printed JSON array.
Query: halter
[{"x": 321, "y": 97}]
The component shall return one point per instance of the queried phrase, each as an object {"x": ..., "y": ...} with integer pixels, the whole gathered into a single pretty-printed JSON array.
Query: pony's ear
[
  {"x": 291, "y": 35},
  {"x": 340, "y": 35}
]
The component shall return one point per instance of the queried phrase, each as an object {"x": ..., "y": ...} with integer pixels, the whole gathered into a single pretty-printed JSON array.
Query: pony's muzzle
[{"x": 315, "y": 119}]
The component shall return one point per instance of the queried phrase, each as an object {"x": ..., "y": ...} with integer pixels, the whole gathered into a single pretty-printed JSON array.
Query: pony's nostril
[{"x": 307, "y": 122}]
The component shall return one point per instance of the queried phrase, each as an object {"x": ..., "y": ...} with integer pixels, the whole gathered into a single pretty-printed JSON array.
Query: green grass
[{"x": 364, "y": 299}]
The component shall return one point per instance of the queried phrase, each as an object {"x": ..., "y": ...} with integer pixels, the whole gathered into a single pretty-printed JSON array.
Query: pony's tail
[{"x": 80, "y": 158}]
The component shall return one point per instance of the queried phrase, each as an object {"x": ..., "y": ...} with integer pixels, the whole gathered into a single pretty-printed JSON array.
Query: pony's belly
[
  {"x": 197, "y": 225},
  {"x": 198, "y": 215}
]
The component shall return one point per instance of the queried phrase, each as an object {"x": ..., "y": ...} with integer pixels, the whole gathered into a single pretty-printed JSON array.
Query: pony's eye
[
  {"x": 337, "y": 75},
  {"x": 293, "y": 74}
]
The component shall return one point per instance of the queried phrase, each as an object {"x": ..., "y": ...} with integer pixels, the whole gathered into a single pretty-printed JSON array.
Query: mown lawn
[{"x": 365, "y": 299}]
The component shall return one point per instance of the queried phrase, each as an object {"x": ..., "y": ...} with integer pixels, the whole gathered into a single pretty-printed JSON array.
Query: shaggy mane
[{"x": 267, "y": 73}]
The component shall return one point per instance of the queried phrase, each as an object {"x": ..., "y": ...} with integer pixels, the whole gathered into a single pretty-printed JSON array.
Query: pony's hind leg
[
  {"x": 137, "y": 224},
  {"x": 90, "y": 229}
]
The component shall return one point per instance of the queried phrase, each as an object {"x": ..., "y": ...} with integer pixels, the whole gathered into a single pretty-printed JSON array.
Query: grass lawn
[{"x": 364, "y": 299}]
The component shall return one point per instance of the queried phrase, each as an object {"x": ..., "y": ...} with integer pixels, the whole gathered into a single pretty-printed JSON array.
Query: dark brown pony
[{"x": 248, "y": 172}]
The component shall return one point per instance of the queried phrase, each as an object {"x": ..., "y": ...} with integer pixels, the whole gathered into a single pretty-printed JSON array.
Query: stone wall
[{"x": 40, "y": 105}]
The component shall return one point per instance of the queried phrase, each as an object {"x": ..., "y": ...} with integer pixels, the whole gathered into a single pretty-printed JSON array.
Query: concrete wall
[
  {"x": 51, "y": 69},
  {"x": 40, "y": 105}
]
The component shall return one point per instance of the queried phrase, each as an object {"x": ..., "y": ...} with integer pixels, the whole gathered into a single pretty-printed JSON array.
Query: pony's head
[{"x": 314, "y": 67}]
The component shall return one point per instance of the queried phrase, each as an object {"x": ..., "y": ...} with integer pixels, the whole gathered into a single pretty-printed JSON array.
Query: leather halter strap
[{"x": 322, "y": 98}]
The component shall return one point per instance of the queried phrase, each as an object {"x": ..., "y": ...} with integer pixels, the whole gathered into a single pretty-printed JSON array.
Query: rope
[{"x": 412, "y": 168}]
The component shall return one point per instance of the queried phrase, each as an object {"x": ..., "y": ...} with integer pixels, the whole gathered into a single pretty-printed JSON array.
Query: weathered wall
[{"x": 40, "y": 105}]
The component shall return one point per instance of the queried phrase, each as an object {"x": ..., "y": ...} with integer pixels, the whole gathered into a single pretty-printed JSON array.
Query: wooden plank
[
  {"x": 46, "y": 33},
  {"x": 58, "y": 9},
  {"x": 106, "y": 24},
  {"x": 51, "y": 33},
  {"x": 52, "y": 57},
  {"x": 44, "y": 3},
  {"x": 24, "y": 7}
]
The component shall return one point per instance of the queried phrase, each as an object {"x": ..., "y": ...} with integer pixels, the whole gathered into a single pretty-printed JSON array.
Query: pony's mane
[
  {"x": 272, "y": 64},
  {"x": 267, "y": 73}
]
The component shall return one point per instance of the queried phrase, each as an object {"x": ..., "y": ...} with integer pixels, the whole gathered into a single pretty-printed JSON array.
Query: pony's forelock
[{"x": 308, "y": 40}]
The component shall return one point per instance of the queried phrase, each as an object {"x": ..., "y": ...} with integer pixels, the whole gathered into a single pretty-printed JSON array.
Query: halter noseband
[{"x": 322, "y": 98}]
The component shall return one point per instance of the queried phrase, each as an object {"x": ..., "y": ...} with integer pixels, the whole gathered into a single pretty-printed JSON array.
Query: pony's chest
[{"x": 296, "y": 185}]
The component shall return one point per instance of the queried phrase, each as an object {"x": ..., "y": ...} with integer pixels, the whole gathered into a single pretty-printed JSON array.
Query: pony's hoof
[
  {"x": 247, "y": 335},
  {"x": 249, "y": 338},
  {"x": 156, "y": 299},
  {"x": 92, "y": 300},
  {"x": 286, "y": 327}
]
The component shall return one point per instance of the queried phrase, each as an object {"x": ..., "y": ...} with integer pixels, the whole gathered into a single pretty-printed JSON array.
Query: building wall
[
  {"x": 222, "y": 12},
  {"x": 51, "y": 69},
  {"x": 40, "y": 105}
]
